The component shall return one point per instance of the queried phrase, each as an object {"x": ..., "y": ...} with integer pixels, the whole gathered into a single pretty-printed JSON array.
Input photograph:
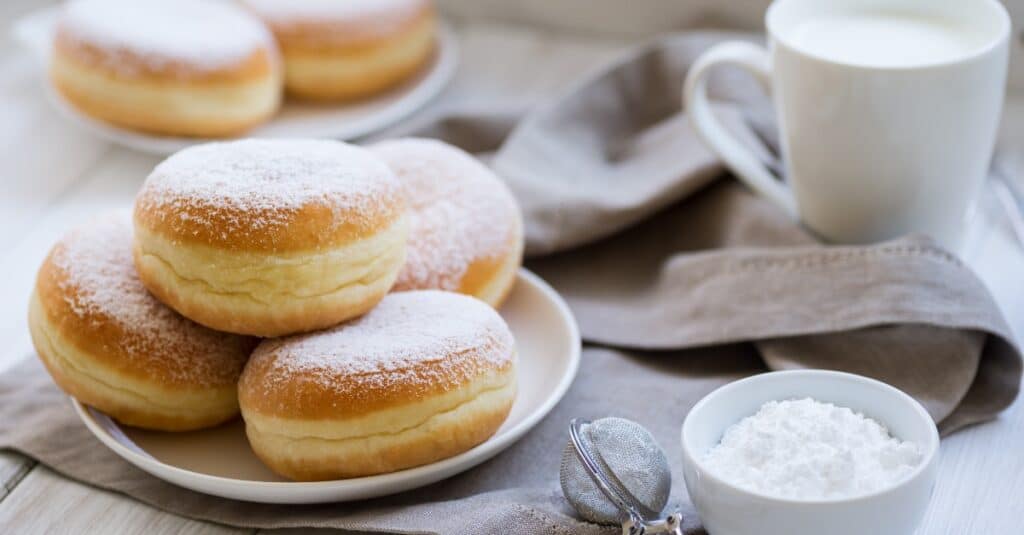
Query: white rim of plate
[{"x": 478, "y": 454}]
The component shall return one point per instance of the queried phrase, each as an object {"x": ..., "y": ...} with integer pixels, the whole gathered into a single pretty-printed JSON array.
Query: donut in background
[
  {"x": 345, "y": 50},
  {"x": 177, "y": 68}
]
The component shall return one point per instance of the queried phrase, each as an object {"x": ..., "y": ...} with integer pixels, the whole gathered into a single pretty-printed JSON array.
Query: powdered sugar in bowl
[{"x": 902, "y": 467}]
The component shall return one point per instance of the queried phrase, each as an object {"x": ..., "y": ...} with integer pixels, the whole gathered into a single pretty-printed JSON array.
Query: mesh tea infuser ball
[{"x": 613, "y": 472}]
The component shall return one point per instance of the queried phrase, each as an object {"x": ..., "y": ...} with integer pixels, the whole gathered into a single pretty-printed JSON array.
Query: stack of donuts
[
  {"x": 216, "y": 68},
  {"x": 341, "y": 298}
]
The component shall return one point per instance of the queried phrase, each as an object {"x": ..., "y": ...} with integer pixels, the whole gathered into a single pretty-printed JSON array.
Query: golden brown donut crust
[
  {"x": 270, "y": 237},
  {"x": 311, "y": 227},
  {"x": 106, "y": 339},
  {"x": 337, "y": 60},
  {"x": 466, "y": 231},
  {"x": 95, "y": 333},
  {"x": 424, "y": 376},
  {"x": 130, "y": 65},
  {"x": 339, "y": 396},
  {"x": 162, "y": 92},
  {"x": 66, "y": 324},
  {"x": 491, "y": 279},
  {"x": 340, "y": 36},
  {"x": 183, "y": 217},
  {"x": 382, "y": 67}
]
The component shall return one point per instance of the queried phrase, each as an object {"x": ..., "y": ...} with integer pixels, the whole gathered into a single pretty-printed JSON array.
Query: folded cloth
[{"x": 681, "y": 281}]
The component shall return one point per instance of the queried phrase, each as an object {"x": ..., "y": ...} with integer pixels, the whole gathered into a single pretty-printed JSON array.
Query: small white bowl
[{"x": 726, "y": 509}]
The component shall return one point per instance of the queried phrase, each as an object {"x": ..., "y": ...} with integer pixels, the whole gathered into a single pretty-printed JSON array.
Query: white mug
[{"x": 888, "y": 111}]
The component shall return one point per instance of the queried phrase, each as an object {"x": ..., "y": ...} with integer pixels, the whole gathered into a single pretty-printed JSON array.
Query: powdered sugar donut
[
  {"x": 185, "y": 68},
  {"x": 423, "y": 376},
  {"x": 466, "y": 232},
  {"x": 110, "y": 344},
  {"x": 346, "y": 50},
  {"x": 270, "y": 237}
]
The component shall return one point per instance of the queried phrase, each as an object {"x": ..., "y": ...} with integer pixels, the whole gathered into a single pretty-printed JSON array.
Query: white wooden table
[{"x": 52, "y": 175}]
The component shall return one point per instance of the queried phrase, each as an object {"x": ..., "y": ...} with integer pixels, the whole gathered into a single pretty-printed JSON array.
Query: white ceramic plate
[
  {"x": 220, "y": 462},
  {"x": 35, "y": 31}
]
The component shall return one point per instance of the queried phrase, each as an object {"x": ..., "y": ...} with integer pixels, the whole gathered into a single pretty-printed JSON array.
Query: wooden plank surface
[
  {"x": 13, "y": 468},
  {"x": 47, "y": 503},
  {"x": 53, "y": 176},
  {"x": 981, "y": 480}
]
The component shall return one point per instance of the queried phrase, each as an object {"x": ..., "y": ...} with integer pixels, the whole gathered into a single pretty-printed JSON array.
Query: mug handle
[{"x": 742, "y": 162}]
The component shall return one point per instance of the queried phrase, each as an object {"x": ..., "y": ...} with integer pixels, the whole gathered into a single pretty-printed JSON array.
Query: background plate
[
  {"x": 295, "y": 119},
  {"x": 219, "y": 461}
]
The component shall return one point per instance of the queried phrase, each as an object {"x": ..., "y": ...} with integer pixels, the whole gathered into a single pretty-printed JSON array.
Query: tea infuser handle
[
  {"x": 671, "y": 525},
  {"x": 747, "y": 167}
]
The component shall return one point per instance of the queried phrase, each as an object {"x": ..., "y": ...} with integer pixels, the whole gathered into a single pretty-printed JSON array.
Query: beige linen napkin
[{"x": 681, "y": 281}]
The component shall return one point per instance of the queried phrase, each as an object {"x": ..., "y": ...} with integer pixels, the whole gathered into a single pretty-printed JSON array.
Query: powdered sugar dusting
[
  {"x": 99, "y": 284},
  {"x": 206, "y": 34},
  {"x": 806, "y": 449},
  {"x": 460, "y": 211},
  {"x": 239, "y": 188},
  {"x": 393, "y": 341}
]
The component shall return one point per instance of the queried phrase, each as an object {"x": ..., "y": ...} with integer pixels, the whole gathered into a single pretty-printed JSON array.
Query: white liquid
[{"x": 886, "y": 39}]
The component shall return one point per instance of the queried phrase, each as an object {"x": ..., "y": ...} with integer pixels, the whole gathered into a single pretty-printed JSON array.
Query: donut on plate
[
  {"x": 343, "y": 50},
  {"x": 110, "y": 344},
  {"x": 177, "y": 68},
  {"x": 270, "y": 237},
  {"x": 465, "y": 228},
  {"x": 423, "y": 376}
]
